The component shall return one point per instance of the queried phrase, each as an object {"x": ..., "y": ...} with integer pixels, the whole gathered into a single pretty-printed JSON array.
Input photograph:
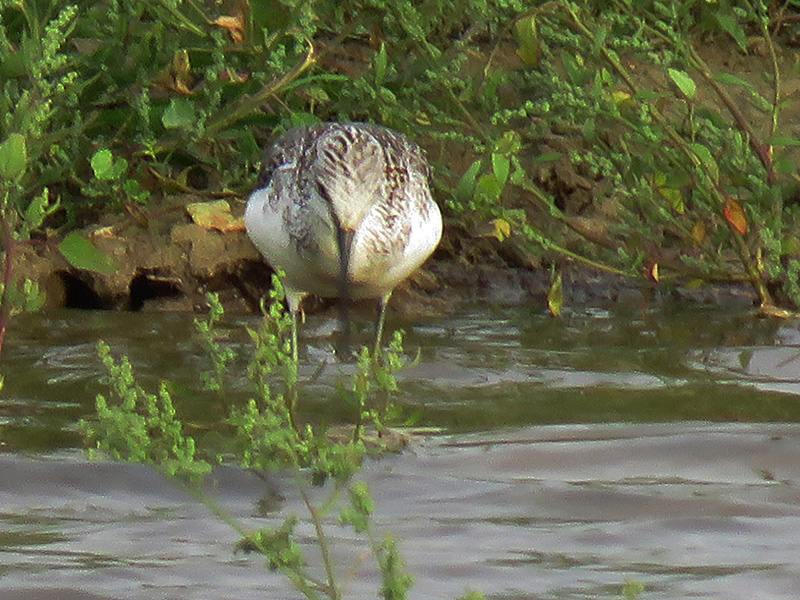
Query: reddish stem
[{"x": 8, "y": 244}]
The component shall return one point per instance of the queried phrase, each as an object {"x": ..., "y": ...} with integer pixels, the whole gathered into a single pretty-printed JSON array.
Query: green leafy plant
[
  {"x": 163, "y": 97},
  {"x": 220, "y": 357},
  {"x": 26, "y": 113},
  {"x": 373, "y": 386},
  {"x": 111, "y": 181},
  {"x": 141, "y": 427},
  {"x": 684, "y": 185},
  {"x": 275, "y": 344},
  {"x": 266, "y": 433},
  {"x": 36, "y": 87}
]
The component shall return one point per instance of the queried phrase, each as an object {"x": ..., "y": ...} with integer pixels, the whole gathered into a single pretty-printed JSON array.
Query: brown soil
[{"x": 170, "y": 263}]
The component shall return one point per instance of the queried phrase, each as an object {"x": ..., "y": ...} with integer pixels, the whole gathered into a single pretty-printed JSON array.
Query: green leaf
[
  {"x": 674, "y": 197},
  {"x": 179, "y": 114},
  {"x": 490, "y": 85},
  {"x": 103, "y": 165},
  {"x": 13, "y": 157},
  {"x": 501, "y": 229},
  {"x": 135, "y": 191},
  {"x": 38, "y": 209},
  {"x": 518, "y": 174},
  {"x": 729, "y": 79},
  {"x": 34, "y": 297},
  {"x": 547, "y": 157},
  {"x": 706, "y": 160},
  {"x": 245, "y": 141},
  {"x": 784, "y": 165},
  {"x": 466, "y": 186},
  {"x": 13, "y": 65},
  {"x": 510, "y": 143},
  {"x": 120, "y": 167},
  {"x": 632, "y": 589},
  {"x": 781, "y": 141},
  {"x": 555, "y": 297},
  {"x": 528, "y": 39},
  {"x": 380, "y": 66},
  {"x": 82, "y": 254},
  {"x": 25, "y": 298},
  {"x": 695, "y": 284},
  {"x": 732, "y": 27},
  {"x": 488, "y": 188},
  {"x": 646, "y": 95},
  {"x": 760, "y": 102},
  {"x": 576, "y": 72},
  {"x": 717, "y": 120},
  {"x": 685, "y": 83},
  {"x": 317, "y": 94},
  {"x": 500, "y": 167},
  {"x": 300, "y": 119},
  {"x": 387, "y": 95}
]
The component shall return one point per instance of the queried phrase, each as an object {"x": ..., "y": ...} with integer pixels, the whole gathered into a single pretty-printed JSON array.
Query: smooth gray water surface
[{"x": 660, "y": 446}]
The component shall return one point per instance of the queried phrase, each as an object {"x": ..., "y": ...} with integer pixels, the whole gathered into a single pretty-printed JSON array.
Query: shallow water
[{"x": 659, "y": 446}]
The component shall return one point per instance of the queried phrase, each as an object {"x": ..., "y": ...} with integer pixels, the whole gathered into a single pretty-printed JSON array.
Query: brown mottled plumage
[{"x": 344, "y": 209}]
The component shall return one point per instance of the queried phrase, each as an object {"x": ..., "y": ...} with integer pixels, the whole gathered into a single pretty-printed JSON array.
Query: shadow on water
[{"x": 656, "y": 445}]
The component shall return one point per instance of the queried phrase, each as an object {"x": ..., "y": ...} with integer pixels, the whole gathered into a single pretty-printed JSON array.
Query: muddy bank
[{"x": 167, "y": 262}]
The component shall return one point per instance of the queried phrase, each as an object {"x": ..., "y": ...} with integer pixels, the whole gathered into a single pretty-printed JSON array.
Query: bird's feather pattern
[{"x": 364, "y": 180}]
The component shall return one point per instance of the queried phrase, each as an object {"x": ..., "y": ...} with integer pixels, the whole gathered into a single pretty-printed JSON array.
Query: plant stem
[
  {"x": 8, "y": 245},
  {"x": 549, "y": 244},
  {"x": 245, "y": 106},
  {"x": 332, "y": 589},
  {"x": 760, "y": 150},
  {"x": 304, "y": 583},
  {"x": 250, "y": 103}
]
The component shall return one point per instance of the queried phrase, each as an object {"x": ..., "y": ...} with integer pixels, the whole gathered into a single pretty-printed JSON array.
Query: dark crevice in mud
[
  {"x": 77, "y": 292},
  {"x": 150, "y": 286},
  {"x": 252, "y": 281}
]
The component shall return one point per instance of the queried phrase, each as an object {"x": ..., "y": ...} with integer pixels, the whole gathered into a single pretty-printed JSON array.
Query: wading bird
[{"x": 345, "y": 210}]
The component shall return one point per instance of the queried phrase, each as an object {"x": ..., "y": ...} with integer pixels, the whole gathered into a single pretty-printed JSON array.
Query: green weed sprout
[
  {"x": 140, "y": 427},
  {"x": 374, "y": 384},
  {"x": 111, "y": 181},
  {"x": 214, "y": 379},
  {"x": 396, "y": 581}
]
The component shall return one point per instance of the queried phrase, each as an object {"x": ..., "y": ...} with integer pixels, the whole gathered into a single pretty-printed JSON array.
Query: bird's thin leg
[
  {"x": 290, "y": 397},
  {"x": 295, "y": 352},
  {"x": 379, "y": 324},
  {"x": 343, "y": 346},
  {"x": 293, "y": 300}
]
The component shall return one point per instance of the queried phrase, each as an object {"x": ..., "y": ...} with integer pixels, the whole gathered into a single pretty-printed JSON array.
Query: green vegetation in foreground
[
  {"x": 572, "y": 131},
  {"x": 267, "y": 433}
]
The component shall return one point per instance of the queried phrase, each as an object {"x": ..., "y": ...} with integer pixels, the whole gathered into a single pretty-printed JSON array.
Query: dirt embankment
[{"x": 168, "y": 262}]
